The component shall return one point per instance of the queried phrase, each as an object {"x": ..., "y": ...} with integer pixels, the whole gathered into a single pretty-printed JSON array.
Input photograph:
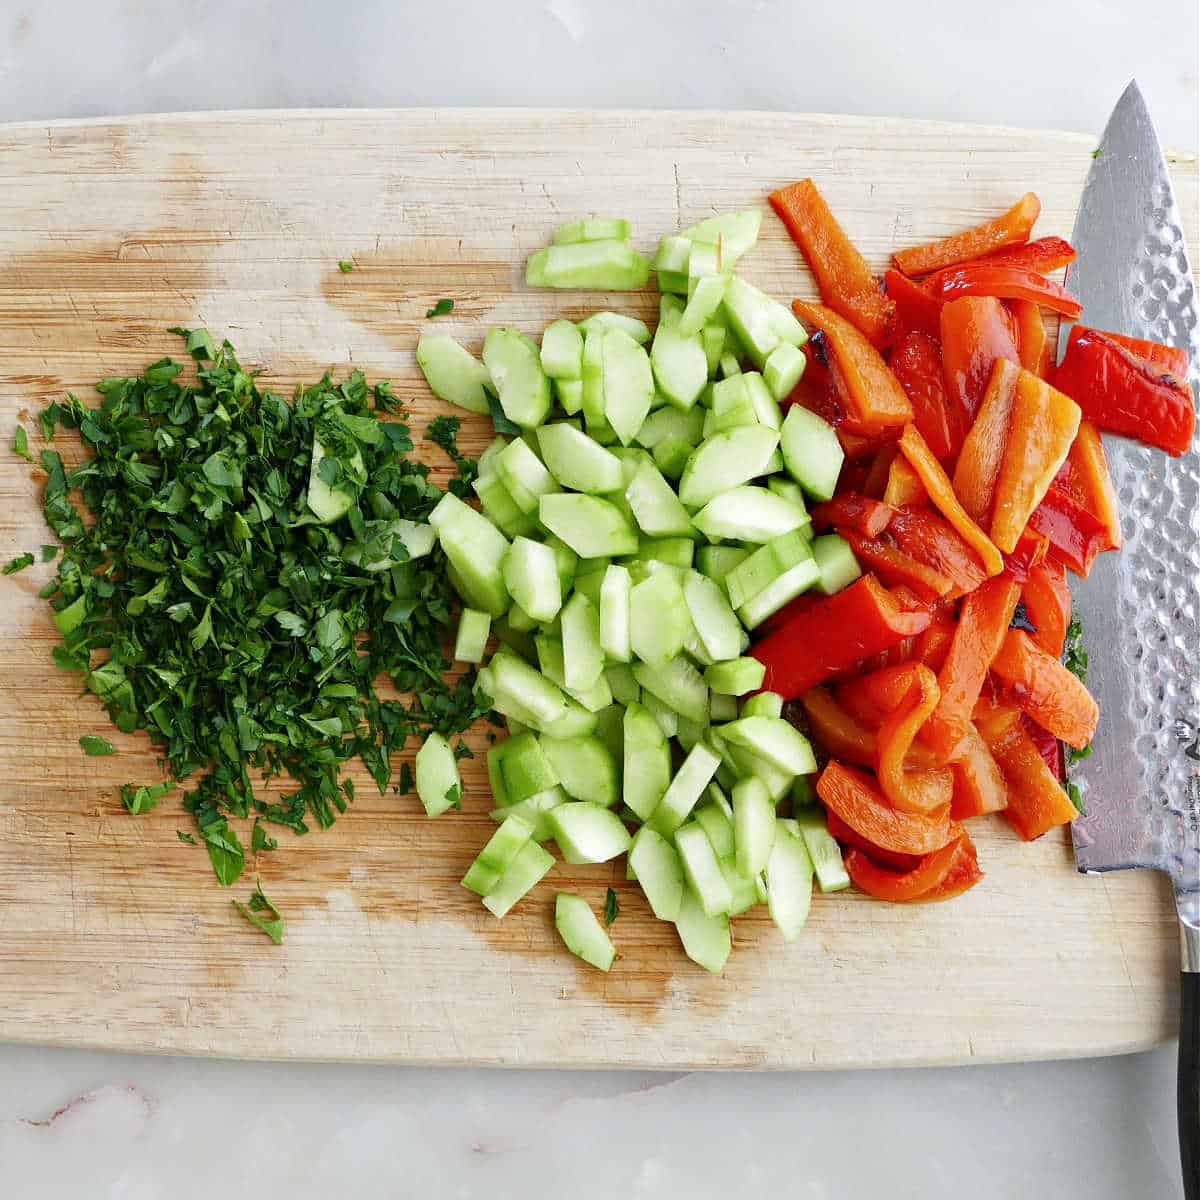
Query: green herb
[
  {"x": 211, "y": 609},
  {"x": 96, "y": 747},
  {"x": 1099, "y": 150},
  {"x": 272, "y": 926},
  {"x": 186, "y": 837},
  {"x": 1075, "y": 657},
  {"x": 404, "y": 784},
  {"x": 18, "y": 564},
  {"x": 441, "y": 308},
  {"x": 612, "y": 910},
  {"x": 20, "y": 444},
  {"x": 260, "y": 840},
  {"x": 1073, "y": 756},
  {"x": 1075, "y": 798},
  {"x": 49, "y": 553},
  {"x": 454, "y": 796},
  {"x": 345, "y": 266},
  {"x": 501, "y": 423},
  {"x": 443, "y": 432}
]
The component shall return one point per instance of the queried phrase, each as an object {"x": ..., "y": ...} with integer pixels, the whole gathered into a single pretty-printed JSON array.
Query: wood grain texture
[{"x": 115, "y": 934}]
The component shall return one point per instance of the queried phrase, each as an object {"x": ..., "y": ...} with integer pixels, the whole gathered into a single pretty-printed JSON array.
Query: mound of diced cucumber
[{"x": 651, "y": 514}]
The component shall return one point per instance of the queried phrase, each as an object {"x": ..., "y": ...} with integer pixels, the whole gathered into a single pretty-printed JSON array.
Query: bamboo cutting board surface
[{"x": 113, "y": 933}]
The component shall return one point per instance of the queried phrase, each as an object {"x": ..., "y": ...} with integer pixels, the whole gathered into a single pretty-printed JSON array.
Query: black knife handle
[{"x": 1189, "y": 1083}]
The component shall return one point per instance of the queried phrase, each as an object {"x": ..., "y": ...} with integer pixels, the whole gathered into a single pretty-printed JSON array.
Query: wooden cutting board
[{"x": 113, "y": 933}]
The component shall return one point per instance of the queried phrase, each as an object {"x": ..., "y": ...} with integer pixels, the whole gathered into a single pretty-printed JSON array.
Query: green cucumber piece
[
  {"x": 598, "y": 322},
  {"x": 730, "y": 366},
  {"x": 678, "y": 685},
  {"x": 615, "y": 590},
  {"x": 718, "y": 561},
  {"x": 515, "y": 365},
  {"x": 702, "y": 870},
  {"x": 609, "y": 264},
  {"x": 736, "y": 676},
  {"x": 476, "y": 550},
  {"x": 789, "y": 881},
  {"x": 779, "y": 592},
  {"x": 536, "y": 697},
  {"x": 583, "y": 659},
  {"x": 569, "y": 393},
  {"x": 656, "y": 507},
  {"x": 628, "y": 383},
  {"x": 530, "y": 866},
  {"x": 585, "y": 768},
  {"x": 731, "y": 406},
  {"x": 609, "y": 730},
  {"x": 520, "y": 620},
  {"x": 722, "y": 706},
  {"x": 655, "y": 864},
  {"x": 714, "y": 621},
  {"x": 493, "y": 860},
  {"x": 453, "y": 373},
  {"x": 531, "y": 576},
  {"x": 592, "y": 229},
  {"x": 658, "y": 619},
  {"x": 793, "y": 493},
  {"x": 562, "y": 350},
  {"x": 672, "y": 255},
  {"x": 711, "y": 817},
  {"x": 589, "y": 578},
  {"x": 761, "y": 568},
  {"x": 328, "y": 503},
  {"x": 704, "y": 299},
  {"x": 688, "y": 732},
  {"x": 776, "y": 740},
  {"x": 524, "y": 474},
  {"x": 474, "y": 628},
  {"x": 705, "y": 939},
  {"x": 436, "y": 769},
  {"x": 704, "y": 261},
  {"x": 726, "y": 461},
  {"x": 675, "y": 552},
  {"x": 743, "y": 891},
  {"x": 671, "y": 424},
  {"x": 748, "y": 513},
  {"x": 646, "y": 761},
  {"x": 566, "y": 561},
  {"x": 500, "y": 508},
  {"x": 671, "y": 457},
  {"x": 760, "y": 323},
  {"x": 680, "y": 365},
  {"x": 836, "y": 562},
  {"x": 763, "y": 704},
  {"x": 825, "y": 853},
  {"x": 685, "y": 789},
  {"x": 766, "y": 407},
  {"x": 574, "y": 722},
  {"x": 517, "y": 769},
  {"x": 588, "y": 833},
  {"x": 578, "y": 462},
  {"x": 713, "y": 339},
  {"x": 533, "y": 810},
  {"x": 804, "y": 794},
  {"x": 812, "y": 453},
  {"x": 668, "y": 721},
  {"x": 581, "y": 932},
  {"x": 737, "y": 232},
  {"x": 593, "y": 528},
  {"x": 753, "y": 826},
  {"x": 783, "y": 370},
  {"x": 487, "y": 460},
  {"x": 621, "y": 682}
]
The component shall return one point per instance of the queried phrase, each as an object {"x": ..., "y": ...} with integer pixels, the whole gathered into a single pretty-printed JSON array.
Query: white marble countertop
[{"x": 79, "y": 1124}]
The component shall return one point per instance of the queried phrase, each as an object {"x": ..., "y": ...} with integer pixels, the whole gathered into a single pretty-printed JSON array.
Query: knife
[{"x": 1140, "y": 788}]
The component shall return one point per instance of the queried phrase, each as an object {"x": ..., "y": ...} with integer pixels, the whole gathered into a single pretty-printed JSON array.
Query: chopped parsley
[
  {"x": 500, "y": 422},
  {"x": 1099, "y": 150},
  {"x": 443, "y": 432},
  {"x": 1076, "y": 799},
  {"x": 612, "y": 910},
  {"x": 49, "y": 553},
  {"x": 345, "y": 266},
  {"x": 18, "y": 564},
  {"x": 96, "y": 747},
  {"x": 20, "y": 444},
  {"x": 1075, "y": 657},
  {"x": 186, "y": 837},
  {"x": 441, "y": 308},
  {"x": 271, "y": 924}
]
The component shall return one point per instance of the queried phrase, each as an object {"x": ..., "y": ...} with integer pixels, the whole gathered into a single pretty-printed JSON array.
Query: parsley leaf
[
  {"x": 96, "y": 747},
  {"x": 1099, "y": 150},
  {"x": 186, "y": 837},
  {"x": 441, "y": 308},
  {"x": 261, "y": 841},
  {"x": 272, "y": 926},
  {"x": 143, "y": 799},
  {"x": 443, "y": 432},
  {"x": 345, "y": 266},
  {"x": 20, "y": 444},
  {"x": 501, "y": 423},
  {"x": 18, "y": 564},
  {"x": 1075, "y": 657},
  {"x": 612, "y": 910},
  {"x": 49, "y": 553},
  {"x": 1076, "y": 799}
]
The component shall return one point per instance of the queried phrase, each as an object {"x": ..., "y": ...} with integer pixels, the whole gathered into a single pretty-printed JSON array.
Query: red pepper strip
[
  {"x": 840, "y": 831},
  {"x": 1074, "y": 534},
  {"x": 941, "y": 493},
  {"x": 976, "y": 331},
  {"x": 852, "y": 794},
  {"x": 918, "y": 310},
  {"x": 874, "y": 401},
  {"x": 1030, "y": 551},
  {"x": 841, "y": 735},
  {"x": 1086, "y": 476},
  {"x": 876, "y": 476},
  {"x": 932, "y": 646},
  {"x": 921, "y": 534},
  {"x": 1042, "y": 427},
  {"x": 963, "y": 875},
  {"x": 1046, "y": 690},
  {"x": 1010, "y": 229},
  {"x": 982, "y": 626},
  {"x": 1172, "y": 359},
  {"x": 895, "y": 567},
  {"x": 1043, "y": 255},
  {"x": 1049, "y": 747},
  {"x": 982, "y": 451},
  {"x": 1005, "y": 283},
  {"x": 853, "y": 511},
  {"x": 1036, "y": 803},
  {"x": 979, "y": 786},
  {"x": 917, "y": 364},
  {"x": 912, "y": 791},
  {"x": 832, "y": 635},
  {"x": 904, "y": 486},
  {"x": 885, "y": 884},
  {"x": 1032, "y": 341},
  {"x": 1126, "y": 395},
  {"x": 842, "y": 274},
  {"x": 1047, "y": 601}
]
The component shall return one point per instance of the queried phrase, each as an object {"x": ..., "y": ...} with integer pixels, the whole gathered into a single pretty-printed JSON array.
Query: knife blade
[{"x": 1140, "y": 787}]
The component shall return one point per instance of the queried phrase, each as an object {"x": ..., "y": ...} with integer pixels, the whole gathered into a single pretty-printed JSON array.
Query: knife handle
[{"x": 1189, "y": 1061}]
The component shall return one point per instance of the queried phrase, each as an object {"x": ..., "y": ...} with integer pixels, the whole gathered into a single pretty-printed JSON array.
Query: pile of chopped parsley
[{"x": 203, "y": 602}]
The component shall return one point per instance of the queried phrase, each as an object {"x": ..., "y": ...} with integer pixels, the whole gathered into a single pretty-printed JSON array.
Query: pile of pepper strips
[{"x": 974, "y": 480}]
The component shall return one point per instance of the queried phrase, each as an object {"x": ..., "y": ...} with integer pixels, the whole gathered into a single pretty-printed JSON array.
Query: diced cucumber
[
  {"x": 730, "y": 366},
  {"x": 620, "y": 678},
  {"x": 824, "y": 852},
  {"x": 614, "y": 615},
  {"x": 453, "y": 373},
  {"x": 566, "y": 561},
  {"x": 585, "y": 769},
  {"x": 836, "y": 562},
  {"x": 789, "y": 882},
  {"x": 588, "y": 833},
  {"x": 600, "y": 321},
  {"x": 722, "y": 706},
  {"x": 685, "y": 790},
  {"x": 578, "y": 462},
  {"x": 628, "y": 383},
  {"x": 668, "y": 721},
  {"x": 678, "y": 685},
  {"x": 530, "y": 866},
  {"x": 524, "y": 474},
  {"x": 704, "y": 261},
  {"x": 779, "y": 592},
  {"x": 574, "y": 722},
  {"x": 476, "y": 550},
  {"x": 656, "y": 866},
  {"x": 658, "y": 619},
  {"x": 520, "y": 620},
  {"x": 533, "y": 810},
  {"x": 562, "y": 350},
  {"x": 474, "y": 628},
  {"x": 669, "y": 423},
  {"x": 515, "y": 365},
  {"x": 328, "y": 503},
  {"x": 656, "y": 507},
  {"x": 592, "y": 229},
  {"x": 487, "y": 460},
  {"x": 711, "y": 817},
  {"x": 581, "y": 932},
  {"x": 760, "y": 323},
  {"x": 718, "y": 561},
  {"x": 748, "y": 513},
  {"x": 812, "y": 453},
  {"x": 517, "y": 769},
  {"x": 676, "y": 552},
  {"x": 512, "y": 677},
  {"x": 705, "y": 939},
  {"x": 766, "y": 564},
  {"x": 713, "y": 339},
  {"x": 776, "y": 740},
  {"x": 763, "y": 704},
  {"x": 592, "y": 379},
  {"x": 736, "y": 231},
  {"x": 609, "y": 264},
  {"x": 583, "y": 659},
  {"x": 680, "y": 365},
  {"x": 671, "y": 457},
  {"x": 493, "y": 860},
  {"x": 670, "y": 308},
  {"x": 569, "y": 393},
  {"x": 672, "y": 257},
  {"x": 702, "y": 870},
  {"x": 609, "y": 731},
  {"x": 531, "y": 576},
  {"x": 703, "y": 300},
  {"x": 766, "y": 408},
  {"x": 731, "y": 406},
  {"x": 646, "y": 769},
  {"x": 783, "y": 370},
  {"x": 743, "y": 891},
  {"x": 592, "y": 527},
  {"x": 804, "y": 795},
  {"x": 753, "y": 826},
  {"x": 735, "y": 677},
  {"x": 725, "y": 461},
  {"x": 589, "y": 577},
  {"x": 436, "y": 769},
  {"x": 520, "y": 643},
  {"x": 713, "y": 619},
  {"x": 500, "y": 508},
  {"x": 793, "y": 493}
]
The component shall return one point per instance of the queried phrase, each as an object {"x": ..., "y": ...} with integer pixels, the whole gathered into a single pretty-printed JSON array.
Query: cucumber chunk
[
  {"x": 722, "y": 706},
  {"x": 513, "y": 679},
  {"x": 436, "y": 769},
  {"x": 726, "y": 461},
  {"x": 736, "y": 231},
  {"x": 562, "y": 350},
  {"x": 614, "y": 607},
  {"x": 680, "y": 365},
  {"x": 743, "y": 891},
  {"x": 711, "y": 817},
  {"x": 836, "y": 562},
  {"x": 675, "y": 552},
  {"x": 704, "y": 299},
  {"x": 753, "y": 826},
  {"x": 658, "y": 619},
  {"x": 766, "y": 408},
  {"x": 620, "y": 678},
  {"x": 646, "y": 756},
  {"x": 672, "y": 255},
  {"x": 729, "y": 365},
  {"x": 671, "y": 424},
  {"x": 713, "y": 339},
  {"x": 678, "y": 685},
  {"x": 588, "y": 833},
  {"x": 585, "y": 768},
  {"x": 515, "y": 365},
  {"x": 609, "y": 264},
  {"x": 598, "y": 322},
  {"x": 760, "y": 569},
  {"x": 656, "y": 867},
  {"x": 789, "y": 882},
  {"x": 592, "y": 229},
  {"x": 735, "y": 677},
  {"x": 656, "y": 507},
  {"x": 776, "y": 740},
  {"x": 748, "y": 514},
  {"x": 453, "y": 373},
  {"x": 474, "y": 628},
  {"x": 760, "y": 323},
  {"x": 825, "y": 853},
  {"x": 524, "y": 474},
  {"x": 593, "y": 528},
  {"x": 530, "y": 866},
  {"x": 583, "y": 659},
  {"x": 518, "y": 768},
  {"x": 732, "y": 406},
  {"x": 783, "y": 370},
  {"x": 714, "y": 621},
  {"x": 531, "y": 576},
  {"x": 702, "y": 869},
  {"x": 778, "y": 593},
  {"x": 476, "y": 550},
  {"x": 763, "y": 704},
  {"x": 705, "y": 939},
  {"x": 500, "y": 508},
  {"x": 493, "y": 860},
  {"x": 685, "y": 790},
  {"x": 812, "y": 453},
  {"x": 569, "y": 393},
  {"x": 628, "y": 383},
  {"x": 718, "y": 561},
  {"x": 534, "y": 810},
  {"x": 668, "y": 721},
  {"x": 581, "y": 932}
]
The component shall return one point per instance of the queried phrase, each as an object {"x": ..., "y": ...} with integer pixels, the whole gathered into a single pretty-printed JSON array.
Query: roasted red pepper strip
[
  {"x": 1074, "y": 534},
  {"x": 976, "y": 331},
  {"x": 904, "y": 486},
  {"x": 923, "y": 535},
  {"x": 917, "y": 364},
  {"x": 979, "y": 786},
  {"x": 1031, "y": 550},
  {"x": 978, "y": 464},
  {"x": 843, "y": 277},
  {"x": 1042, "y": 255},
  {"x": 1086, "y": 477},
  {"x": 1005, "y": 283},
  {"x": 850, "y": 510},
  {"x": 1048, "y": 746},
  {"x": 1036, "y": 803},
  {"x": 1032, "y": 341},
  {"x": 895, "y": 567},
  {"x": 885, "y": 884},
  {"x": 920, "y": 791},
  {"x": 1047, "y": 601},
  {"x": 852, "y": 794},
  {"x": 1010, "y": 229},
  {"x": 840, "y": 733},
  {"x": 1127, "y": 395},
  {"x": 1172, "y": 359},
  {"x": 876, "y": 477},
  {"x": 1046, "y": 690},
  {"x": 840, "y": 831},
  {"x": 932, "y": 646},
  {"x": 963, "y": 875},
  {"x": 832, "y": 635},
  {"x": 917, "y": 309}
]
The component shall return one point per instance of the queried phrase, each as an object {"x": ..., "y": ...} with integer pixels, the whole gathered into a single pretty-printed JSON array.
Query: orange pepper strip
[
  {"x": 976, "y": 331},
  {"x": 1046, "y": 690},
  {"x": 874, "y": 399},
  {"x": 982, "y": 626},
  {"x": 941, "y": 492},
  {"x": 842, "y": 274},
  {"x": 1031, "y": 336},
  {"x": 964, "y": 874},
  {"x": 932, "y": 646},
  {"x": 904, "y": 485},
  {"x": 979, "y": 786},
  {"x": 918, "y": 310},
  {"x": 875, "y": 482},
  {"x": 915, "y": 791},
  {"x": 842, "y": 832},
  {"x": 894, "y": 566},
  {"x": 1047, "y": 599},
  {"x": 1042, "y": 427},
  {"x": 885, "y": 884},
  {"x": 1091, "y": 477},
  {"x": 1036, "y": 803},
  {"x": 851, "y": 794},
  {"x": 983, "y": 450},
  {"x": 1011, "y": 229},
  {"x": 840, "y": 734},
  {"x": 926, "y": 536}
]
